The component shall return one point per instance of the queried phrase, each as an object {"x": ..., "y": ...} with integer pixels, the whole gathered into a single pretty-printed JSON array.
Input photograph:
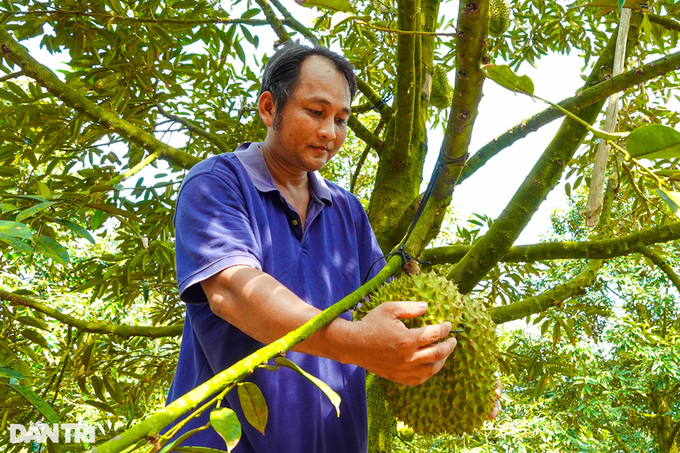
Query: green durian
[
  {"x": 499, "y": 17},
  {"x": 461, "y": 396},
  {"x": 441, "y": 93}
]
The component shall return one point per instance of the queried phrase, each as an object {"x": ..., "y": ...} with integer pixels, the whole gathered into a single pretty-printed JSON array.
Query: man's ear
[{"x": 267, "y": 109}]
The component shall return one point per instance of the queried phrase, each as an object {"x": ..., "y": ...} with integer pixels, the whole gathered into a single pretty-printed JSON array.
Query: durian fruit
[
  {"x": 499, "y": 17},
  {"x": 441, "y": 94},
  {"x": 461, "y": 396}
]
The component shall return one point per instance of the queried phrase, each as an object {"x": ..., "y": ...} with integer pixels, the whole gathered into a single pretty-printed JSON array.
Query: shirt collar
[{"x": 251, "y": 158}]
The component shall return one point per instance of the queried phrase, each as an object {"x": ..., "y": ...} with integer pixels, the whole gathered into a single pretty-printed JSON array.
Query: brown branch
[
  {"x": 665, "y": 22},
  {"x": 18, "y": 54},
  {"x": 11, "y": 76},
  {"x": 363, "y": 133},
  {"x": 569, "y": 250},
  {"x": 661, "y": 264},
  {"x": 90, "y": 326},
  {"x": 550, "y": 298}
]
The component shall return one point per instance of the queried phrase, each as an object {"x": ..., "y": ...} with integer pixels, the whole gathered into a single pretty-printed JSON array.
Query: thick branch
[
  {"x": 471, "y": 40},
  {"x": 535, "y": 188},
  {"x": 365, "y": 134},
  {"x": 676, "y": 430},
  {"x": 153, "y": 424},
  {"x": 93, "y": 327},
  {"x": 294, "y": 24},
  {"x": 621, "y": 444},
  {"x": 665, "y": 22},
  {"x": 599, "y": 249},
  {"x": 550, "y": 298},
  {"x": 15, "y": 52},
  {"x": 575, "y": 103},
  {"x": 274, "y": 21},
  {"x": 406, "y": 80},
  {"x": 661, "y": 264},
  {"x": 362, "y": 159}
]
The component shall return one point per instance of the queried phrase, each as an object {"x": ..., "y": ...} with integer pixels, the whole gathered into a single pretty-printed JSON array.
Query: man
[{"x": 264, "y": 244}]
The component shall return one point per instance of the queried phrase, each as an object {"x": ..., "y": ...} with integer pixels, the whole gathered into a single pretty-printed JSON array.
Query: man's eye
[
  {"x": 315, "y": 112},
  {"x": 341, "y": 121}
]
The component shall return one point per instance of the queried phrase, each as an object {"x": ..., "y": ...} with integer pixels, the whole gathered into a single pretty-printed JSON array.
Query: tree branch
[
  {"x": 15, "y": 52},
  {"x": 90, "y": 326},
  {"x": 622, "y": 445},
  {"x": 406, "y": 80},
  {"x": 363, "y": 133},
  {"x": 535, "y": 188},
  {"x": 661, "y": 264},
  {"x": 665, "y": 22},
  {"x": 574, "y": 104},
  {"x": 153, "y": 424},
  {"x": 294, "y": 24},
  {"x": 11, "y": 76},
  {"x": 550, "y": 298},
  {"x": 676, "y": 429},
  {"x": 377, "y": 101},
  {"x": 273, "y": 20},
  {"x": 569, "y": 250},
  {"x": 362, "y": 159}
]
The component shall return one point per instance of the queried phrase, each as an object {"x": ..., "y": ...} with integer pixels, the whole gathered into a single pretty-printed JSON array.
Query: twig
[
  {"x": 363, "y": 133},
  {"x": 11, "y": 76},
  {"x": 274, "y": 21},
  {"x": 294, "y": 24}
]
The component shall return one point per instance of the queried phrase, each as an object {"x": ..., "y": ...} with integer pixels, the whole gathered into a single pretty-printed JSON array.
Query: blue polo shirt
[{"x": 230, "y": 212}]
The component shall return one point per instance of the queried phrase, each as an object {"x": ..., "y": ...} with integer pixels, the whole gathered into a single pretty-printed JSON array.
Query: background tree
[{"x": 91, "y": 313}]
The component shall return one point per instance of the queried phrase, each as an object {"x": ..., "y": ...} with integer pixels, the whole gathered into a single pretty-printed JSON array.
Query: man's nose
[{"x": 327, "y": 130}]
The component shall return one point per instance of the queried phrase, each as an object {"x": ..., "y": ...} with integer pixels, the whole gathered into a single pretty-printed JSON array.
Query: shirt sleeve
[{"x": 213, "y": 231}]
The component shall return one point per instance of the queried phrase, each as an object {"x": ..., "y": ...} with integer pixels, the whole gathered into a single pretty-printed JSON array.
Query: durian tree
[{"x": 89, "y": 176}]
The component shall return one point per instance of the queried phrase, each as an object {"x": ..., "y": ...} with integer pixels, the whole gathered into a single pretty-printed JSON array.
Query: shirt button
[{"x": 295, "y": 222}]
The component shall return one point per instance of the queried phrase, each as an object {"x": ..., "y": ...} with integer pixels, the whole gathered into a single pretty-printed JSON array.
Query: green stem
[
  {"x": 293, "y": 23},
  {"x": 273, "y": 20},
  {"x": 11, "y": 76},
  {"x": 153, "y": 424},
  {"x": 574, "y": 104},
  {"x": 541, "y": 180},
  {"x": 90, "y": 326},
  {"x": 17, "y": 53}
]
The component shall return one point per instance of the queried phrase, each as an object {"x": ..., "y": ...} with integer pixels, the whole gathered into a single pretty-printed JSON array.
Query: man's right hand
[{"x": 383, "y": 345}]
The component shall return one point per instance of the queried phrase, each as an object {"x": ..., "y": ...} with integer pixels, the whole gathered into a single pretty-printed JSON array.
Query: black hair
[{"x": 282, "y": 73}]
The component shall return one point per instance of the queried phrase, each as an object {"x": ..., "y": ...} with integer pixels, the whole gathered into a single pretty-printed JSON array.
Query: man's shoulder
[
  {"x": 221, "y": 165},
  {"x": 344, "y": 195}
]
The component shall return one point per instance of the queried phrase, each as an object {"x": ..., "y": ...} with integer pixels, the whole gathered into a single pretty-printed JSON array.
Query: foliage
[{"x": 86, "y": 200}]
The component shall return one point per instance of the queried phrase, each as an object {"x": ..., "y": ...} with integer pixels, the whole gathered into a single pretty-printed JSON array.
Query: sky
[{"x": 488, "y": 191}]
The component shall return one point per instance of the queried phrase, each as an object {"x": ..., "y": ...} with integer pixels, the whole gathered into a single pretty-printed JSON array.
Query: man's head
[
  {"x": 305, "y": 103},
  {"x": 282, "y": 73}
]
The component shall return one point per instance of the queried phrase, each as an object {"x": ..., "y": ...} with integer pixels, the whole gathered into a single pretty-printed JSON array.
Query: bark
[
  {"x": 535, "y": 188},
  {"x": 665, "y": 22},
  {"x": 661, "y": 264}
]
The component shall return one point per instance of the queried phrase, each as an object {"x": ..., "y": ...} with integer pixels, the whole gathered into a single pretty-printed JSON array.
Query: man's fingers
[
  {"x": 499, "y": 389},
  {"x": 431, "y": 334},
  {"x": 496, "y": 410},
  {"x": 404, "y": 310},
  {"x": 434, "y": 353}
]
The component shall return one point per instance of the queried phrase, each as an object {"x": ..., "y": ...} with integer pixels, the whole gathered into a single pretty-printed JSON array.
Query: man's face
[{"x": 313, "y": 124}]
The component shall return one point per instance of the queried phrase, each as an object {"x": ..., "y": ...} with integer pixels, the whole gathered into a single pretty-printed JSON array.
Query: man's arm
[{"x": 266, "y": 310}]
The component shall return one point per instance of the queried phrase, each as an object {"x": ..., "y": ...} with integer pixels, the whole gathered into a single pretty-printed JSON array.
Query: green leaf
[
  {"x": 26, "y": 213},
  {"x": 100, "y": 405},
  {"x": 672, "y": 199},
  {"x": 9, "y": 373},
  {"x": 113, "y": 210},
  {"x": 16, "y": 243},
  {"x": 621, "y": 2},
  {"x": 35, "y": 337},
  {"x": 51, "y": 248},
  {"x": 7, "y": 207},
  {"x": 15, "y": 229},
  {"x": 37, "y": 402},
  {"x": 253, "y": 404},
  {"x": 34, "y": 322},
  {"x": 98, "y": 387},
  {"x": 335, "y": 5},
  {"x": 321, "y": 385},
  {"x": 97, "y": 219},
  {"x": 505, "y": 77},
  {"x": 225, "y": 422},
  {"x": 77, "y": 229},
  {"x": 654, "y": 142}
]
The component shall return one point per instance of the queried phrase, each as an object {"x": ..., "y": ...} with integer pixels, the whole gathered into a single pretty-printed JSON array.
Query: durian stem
[{"x": 541, "y": 180}]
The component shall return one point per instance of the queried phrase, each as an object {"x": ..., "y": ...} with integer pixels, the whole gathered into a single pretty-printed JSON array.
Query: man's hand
[
  {"x": 383, "y": 345},
  {"x": 497, "y": 404}
]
